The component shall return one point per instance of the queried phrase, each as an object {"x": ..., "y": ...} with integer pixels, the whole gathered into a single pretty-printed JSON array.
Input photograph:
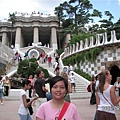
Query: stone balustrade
[{"x": 101, "y": 39}]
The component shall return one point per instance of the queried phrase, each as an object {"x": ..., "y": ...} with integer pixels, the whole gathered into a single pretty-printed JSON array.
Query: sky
[{"x": 47, "y": 7}]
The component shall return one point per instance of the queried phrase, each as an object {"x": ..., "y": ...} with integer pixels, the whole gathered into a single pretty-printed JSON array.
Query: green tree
[
  {"x": 117, "y": 29},
  {"x": 107, "y": 23}
]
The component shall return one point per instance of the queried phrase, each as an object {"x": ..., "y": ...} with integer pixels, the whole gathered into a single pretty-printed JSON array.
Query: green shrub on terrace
[
  {"x": 85, "y": 75},
  {"x": 59, "y": 51},
  {"x": 30, "y": 67}
]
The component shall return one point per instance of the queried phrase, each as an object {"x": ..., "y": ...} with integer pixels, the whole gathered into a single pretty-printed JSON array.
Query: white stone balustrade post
[
  {"x": 91, "y": 42},
  {"x": 73, "y": 48},
  {"x": 105, "y": 37},
  {"x": 36, "y": 35},
  {"x": 77, "y": 45},
  {"x": 81, "y": 45},
  {"x": 115, "y": 38},
  {"x": 86, "y": 44}
]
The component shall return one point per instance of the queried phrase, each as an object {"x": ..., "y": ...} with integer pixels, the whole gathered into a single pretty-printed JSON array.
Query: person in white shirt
[
  {"x": 70, "y": 68},
  {"x": 97, "y": 82},
  {"x": 23, "y": 109},
  {"x": 72, "y": 81},
  {"x": 105, "y": 97},
  {"x": 117, "y": 86},
  {"x": 55, "y": 64}
]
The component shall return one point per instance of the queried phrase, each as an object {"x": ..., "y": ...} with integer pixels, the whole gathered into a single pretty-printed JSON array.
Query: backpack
[{"x": 88, "y": 88}]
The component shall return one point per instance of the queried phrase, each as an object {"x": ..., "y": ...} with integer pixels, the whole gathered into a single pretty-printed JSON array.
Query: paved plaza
[{"x": 8, "y": 111}]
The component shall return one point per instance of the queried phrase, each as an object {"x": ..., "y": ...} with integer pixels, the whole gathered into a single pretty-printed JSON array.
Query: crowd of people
[
  {"x": 59, "y": 88},
  {"x": 53, "y": 93},
  {"x": 51, "y": 99}
]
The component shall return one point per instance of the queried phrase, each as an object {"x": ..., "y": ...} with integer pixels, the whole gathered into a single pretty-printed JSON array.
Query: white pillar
[
  {"x": 4, "y": 38},
  {"x": 53, "y": 42},
  {"x": 36, "y": 36},
  {"x": 18, "y": 38}
]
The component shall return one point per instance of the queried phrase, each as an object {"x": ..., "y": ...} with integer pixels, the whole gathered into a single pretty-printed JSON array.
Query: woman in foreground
[
  {"x": 105, "y": 97},
  {"x": 50, "y": 110}
]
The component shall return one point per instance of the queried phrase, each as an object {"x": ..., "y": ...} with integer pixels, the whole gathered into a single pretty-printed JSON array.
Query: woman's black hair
[
  {"x": 25, "y": 82},
  {"x": 39, "y": 72},
  {"x": 56, "y": 79},
  {"x": 0, "y": 78}
]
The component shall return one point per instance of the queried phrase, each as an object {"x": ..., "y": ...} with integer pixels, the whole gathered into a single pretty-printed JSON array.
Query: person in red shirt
[{"x": 50, "y": 61}]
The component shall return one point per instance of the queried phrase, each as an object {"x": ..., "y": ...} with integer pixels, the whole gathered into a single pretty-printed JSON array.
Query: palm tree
[{"x": 12, "y": 20}]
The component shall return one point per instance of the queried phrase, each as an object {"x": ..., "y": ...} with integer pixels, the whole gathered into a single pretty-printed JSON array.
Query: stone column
[
  {"x": 18, "y": 38},
  {"x": 4, "y": 38},
  {"x": 36, "y": 36},
  {"x": 53, "y": 42}
]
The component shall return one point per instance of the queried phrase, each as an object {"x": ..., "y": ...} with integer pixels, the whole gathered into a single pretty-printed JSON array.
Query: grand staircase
[{"x": 81, "y": 91}]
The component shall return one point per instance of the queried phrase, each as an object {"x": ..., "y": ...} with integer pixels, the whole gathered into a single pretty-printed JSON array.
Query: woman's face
[
  {"x": 58, "y": 90},
  {"x": 109, "y": 77},
  {"x": 28, "y": 86}
]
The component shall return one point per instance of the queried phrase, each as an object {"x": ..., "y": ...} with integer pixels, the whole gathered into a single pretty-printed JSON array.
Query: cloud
[
  {"x": 119, "y": 2},
  {"x": 10, "y": 6},
  {"x": 108, "y": 2}
]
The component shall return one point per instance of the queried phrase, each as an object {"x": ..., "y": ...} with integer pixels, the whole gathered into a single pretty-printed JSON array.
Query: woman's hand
[{"x": 35, "y": 98}]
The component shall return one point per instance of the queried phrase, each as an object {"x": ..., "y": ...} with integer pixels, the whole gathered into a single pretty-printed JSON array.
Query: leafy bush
[
  {"x": 59, "y": 51},
  {"x": 85, "y": 75},
  {"x": 30, "y": 67}
]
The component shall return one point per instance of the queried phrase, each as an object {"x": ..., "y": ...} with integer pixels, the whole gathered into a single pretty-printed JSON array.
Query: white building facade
[{"x": 30, "y": 30}]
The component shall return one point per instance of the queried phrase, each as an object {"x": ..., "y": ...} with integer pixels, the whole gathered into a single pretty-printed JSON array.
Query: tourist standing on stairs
[
  {"x": 40, "y": 89},
  {"x": 43, "y": 57},
  {"x": 49, "y": 59},
  {"x": 72, "y": 81},
  {"x": 57, "y": 70},
  {"x": 70, "y": 68},
  {"x": 57, "y": 58},
  {"x": 23, "y": 109}
]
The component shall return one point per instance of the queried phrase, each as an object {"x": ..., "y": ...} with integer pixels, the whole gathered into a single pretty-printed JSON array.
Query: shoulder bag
[
  {"x": 108, "y": 102},
  {"x": 63, "y": 110},
  {"x": 30, "y": 107}
]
